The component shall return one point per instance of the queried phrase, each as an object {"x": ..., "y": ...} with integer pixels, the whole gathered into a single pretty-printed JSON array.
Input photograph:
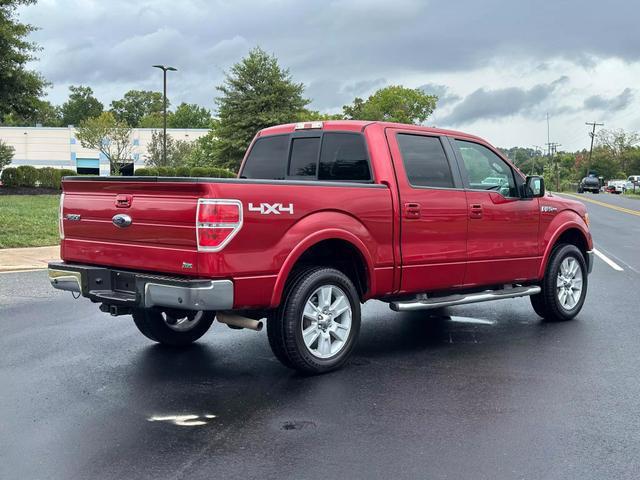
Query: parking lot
[{"x": 481, "y": 391}]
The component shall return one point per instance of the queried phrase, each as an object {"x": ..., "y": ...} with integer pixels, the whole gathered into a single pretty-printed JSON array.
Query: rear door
[
  {"x": 502, "y": 245},
  {"x": 433, "y": 208}
]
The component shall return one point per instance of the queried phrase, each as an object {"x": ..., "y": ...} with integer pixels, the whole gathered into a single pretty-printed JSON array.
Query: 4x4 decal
[{"x": 275, "y": 208}]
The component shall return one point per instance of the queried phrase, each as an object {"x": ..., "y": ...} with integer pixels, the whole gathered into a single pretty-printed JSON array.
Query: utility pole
[
  {"x": 592, "y": 134},
  {"x": 164, "y": 97},
  {"x": 552, "y": 148}
]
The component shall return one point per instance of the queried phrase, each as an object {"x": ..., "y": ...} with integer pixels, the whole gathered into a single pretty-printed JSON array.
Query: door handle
[
  {"x": 411, "y": 210},
  {"x": 475, "y": 211}
]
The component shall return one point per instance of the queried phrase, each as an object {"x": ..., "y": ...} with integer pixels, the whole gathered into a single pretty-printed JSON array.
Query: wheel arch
[
  {"x": 348, "y": 254},
  {"x": 572, "y": 233}
]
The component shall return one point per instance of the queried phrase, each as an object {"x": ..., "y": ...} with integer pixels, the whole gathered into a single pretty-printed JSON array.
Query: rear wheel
[
  {"x": 172, "y": 327},
  {"x": 316, "y": 327},
  {"x": 564, "y": 287}
]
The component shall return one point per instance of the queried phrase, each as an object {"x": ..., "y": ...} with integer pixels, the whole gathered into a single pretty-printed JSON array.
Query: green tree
[
  {"x": 190, "y": 115},
  {"x": 82, "y": 104},
  {"x": 393, "y": 104},
  {"x": 154, "y": 120},
  {"x": 137, "y": 104},
  {"x": 20, "y": 88},
  {"x": 256, "y": 93},
  {"x": 6, "y": 154},
  {"x": 108, "y": 135},
  {"x": 178, "y": 151},
  {"x": 45, "y": 114}
]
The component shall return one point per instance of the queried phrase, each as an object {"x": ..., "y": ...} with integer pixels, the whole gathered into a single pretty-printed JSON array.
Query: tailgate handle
[{"x": 123, "y": 201}]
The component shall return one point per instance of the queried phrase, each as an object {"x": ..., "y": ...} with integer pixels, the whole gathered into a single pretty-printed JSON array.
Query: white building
[{"x": 59, "y": 148}]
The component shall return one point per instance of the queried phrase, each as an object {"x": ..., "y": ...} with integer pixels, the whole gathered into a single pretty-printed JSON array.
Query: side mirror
[{"x": 534, "y": 187}]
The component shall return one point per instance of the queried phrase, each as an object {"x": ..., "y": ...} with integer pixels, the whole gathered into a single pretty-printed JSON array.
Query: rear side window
[
  {"x": 268, "y": 158},
  {"x": 343, "y": 157},
  {"x": 425, "y": 161},
  {"x": 304, "y": 157}
]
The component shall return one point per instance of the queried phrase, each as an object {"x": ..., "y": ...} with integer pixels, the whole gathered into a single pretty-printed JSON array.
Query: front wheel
[
  {"x": 316, "y": 327},
  {"x": 564, "y": 286},
  {"x": 176, "y": 328}
]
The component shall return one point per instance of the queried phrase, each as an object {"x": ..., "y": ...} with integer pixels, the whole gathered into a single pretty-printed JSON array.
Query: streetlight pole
[{"x": 164, "y": 69}]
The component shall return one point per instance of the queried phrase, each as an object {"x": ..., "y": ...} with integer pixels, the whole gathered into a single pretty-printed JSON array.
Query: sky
[{"x": 498, "y": 67}]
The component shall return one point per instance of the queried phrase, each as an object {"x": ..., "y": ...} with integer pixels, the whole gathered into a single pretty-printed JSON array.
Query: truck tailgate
[{"x": 162, "y": 233}]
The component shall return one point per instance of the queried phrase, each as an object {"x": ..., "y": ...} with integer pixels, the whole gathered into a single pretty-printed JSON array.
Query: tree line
[{"x": 257, "y": 92}]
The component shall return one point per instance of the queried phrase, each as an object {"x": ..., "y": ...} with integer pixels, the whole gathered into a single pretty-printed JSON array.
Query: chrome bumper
[
  {"x": 133, "y": 289},
  {"x": 590, "y": 258}
]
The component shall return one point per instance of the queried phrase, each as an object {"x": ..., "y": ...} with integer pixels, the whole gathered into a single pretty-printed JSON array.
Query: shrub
[
  {"x": 212, "y": 172},
  {"x": 48, "y": 177},
  {"x": 198, "y": 172},
  {"x": 143, "y": 172},
  {"x": 166, "y": 172},
  {"x": 27, "y": 176},
  {"x": 10, "y": 177},
  {"x": 183, "y": 171}
]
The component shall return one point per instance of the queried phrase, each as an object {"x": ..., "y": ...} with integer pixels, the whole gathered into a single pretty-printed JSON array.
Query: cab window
[{"x": 486, "y": 170}]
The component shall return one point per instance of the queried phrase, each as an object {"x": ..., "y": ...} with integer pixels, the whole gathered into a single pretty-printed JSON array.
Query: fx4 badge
[
  {"x": 267, "y": 208},
  {"x": 548, "y": 209}
]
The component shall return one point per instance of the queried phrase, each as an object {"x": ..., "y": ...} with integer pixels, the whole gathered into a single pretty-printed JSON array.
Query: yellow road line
[{"x": 603, "y": 204}]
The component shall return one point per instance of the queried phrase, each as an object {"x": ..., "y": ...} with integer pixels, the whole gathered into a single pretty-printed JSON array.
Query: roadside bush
[
  {"x": 166, "y": 172},
  {"x": 212, "y": 172},
  {"x": 218, "y": 172},
  {"x": 10, "y": 177},
  {"x": 142, "y": 172},
  {"x": 27, "y": 176},
  {"x": 183, "y": 171},
  {"x": 48, "y": 177},
  {"x": 198, "y": 172}
]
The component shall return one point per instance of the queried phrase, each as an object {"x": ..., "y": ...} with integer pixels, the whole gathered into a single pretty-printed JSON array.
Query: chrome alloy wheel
[
  {"x": 326, "y": 321},
  {"x": 182, "y": 324},
  {"x": 569, "y": 283}
]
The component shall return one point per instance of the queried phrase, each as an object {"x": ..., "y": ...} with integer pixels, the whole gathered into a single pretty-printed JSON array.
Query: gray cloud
[
  {"x": 618, "y": 102},
  {"x": 500, "y": 103},
  {"x": 329, "y": 45},
  {"x": 444, "y": 94}
]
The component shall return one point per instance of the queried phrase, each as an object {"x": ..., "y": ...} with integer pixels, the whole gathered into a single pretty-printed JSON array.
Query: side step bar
[{"x": 487, "y": 295}]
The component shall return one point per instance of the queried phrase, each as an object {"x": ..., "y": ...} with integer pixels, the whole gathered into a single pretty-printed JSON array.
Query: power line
[{"x": 592, "y": 133}]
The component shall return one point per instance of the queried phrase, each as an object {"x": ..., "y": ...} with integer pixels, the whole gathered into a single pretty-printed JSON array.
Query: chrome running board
[{"x": 487, "y": 295}]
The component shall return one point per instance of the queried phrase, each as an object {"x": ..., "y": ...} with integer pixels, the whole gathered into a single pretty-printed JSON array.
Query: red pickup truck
[{"x": 323, "y": 217}]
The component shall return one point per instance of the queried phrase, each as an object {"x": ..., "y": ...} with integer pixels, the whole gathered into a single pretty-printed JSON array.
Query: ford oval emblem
[{"x": 121, "y": 220}]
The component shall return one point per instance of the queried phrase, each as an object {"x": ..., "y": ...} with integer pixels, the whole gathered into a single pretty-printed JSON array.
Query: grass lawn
[{"x": 28, "y": 220}]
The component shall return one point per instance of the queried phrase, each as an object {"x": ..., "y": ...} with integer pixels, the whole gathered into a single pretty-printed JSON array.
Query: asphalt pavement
[{"x": 485, "y": 391}]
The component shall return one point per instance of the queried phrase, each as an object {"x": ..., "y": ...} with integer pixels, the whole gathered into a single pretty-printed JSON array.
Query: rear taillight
[
  {"x": 60, "y": 224},
  {"x": 217, "y": 222}
]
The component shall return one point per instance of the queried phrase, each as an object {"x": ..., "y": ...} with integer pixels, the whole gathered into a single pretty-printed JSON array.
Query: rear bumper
[{"x": 141, "y": 290}]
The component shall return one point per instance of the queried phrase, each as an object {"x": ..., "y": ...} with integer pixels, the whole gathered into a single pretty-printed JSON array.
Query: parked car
[
  {"x": 617, "y": 186},
  {"x": 590, "y": 183},
  {"x": 323, "y": 217}
]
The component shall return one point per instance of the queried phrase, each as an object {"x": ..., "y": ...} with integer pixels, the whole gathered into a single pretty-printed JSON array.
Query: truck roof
[{"x": 357, "y": 125}]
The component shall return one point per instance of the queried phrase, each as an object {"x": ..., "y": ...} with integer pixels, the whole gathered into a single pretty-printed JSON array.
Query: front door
[
  {"x": 433, "y": 209},
  {"x": 502, "y": 240}
]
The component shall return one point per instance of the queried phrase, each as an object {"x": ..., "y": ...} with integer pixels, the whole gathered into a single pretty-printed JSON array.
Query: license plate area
[{"x": 123, "y": 282}]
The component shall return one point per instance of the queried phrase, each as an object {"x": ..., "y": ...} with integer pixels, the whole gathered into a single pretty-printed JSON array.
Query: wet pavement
[{"x": 480, "y": 391}]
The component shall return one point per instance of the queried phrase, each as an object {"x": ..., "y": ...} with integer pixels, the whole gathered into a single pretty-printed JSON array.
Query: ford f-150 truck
[{"x": 322, "y": 217}]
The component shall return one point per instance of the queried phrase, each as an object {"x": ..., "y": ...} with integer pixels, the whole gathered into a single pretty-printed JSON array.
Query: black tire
[
  {"x": 580, "y": 190},
  {"x": 152, "y": 324},
  {"x": 546, "y": 303},
  {"x": 275, "y": 333},
  {"x": 284, "y": 327}
]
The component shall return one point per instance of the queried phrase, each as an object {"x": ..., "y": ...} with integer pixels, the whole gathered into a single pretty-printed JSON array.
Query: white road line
[{"x": 608, "y": 261}]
